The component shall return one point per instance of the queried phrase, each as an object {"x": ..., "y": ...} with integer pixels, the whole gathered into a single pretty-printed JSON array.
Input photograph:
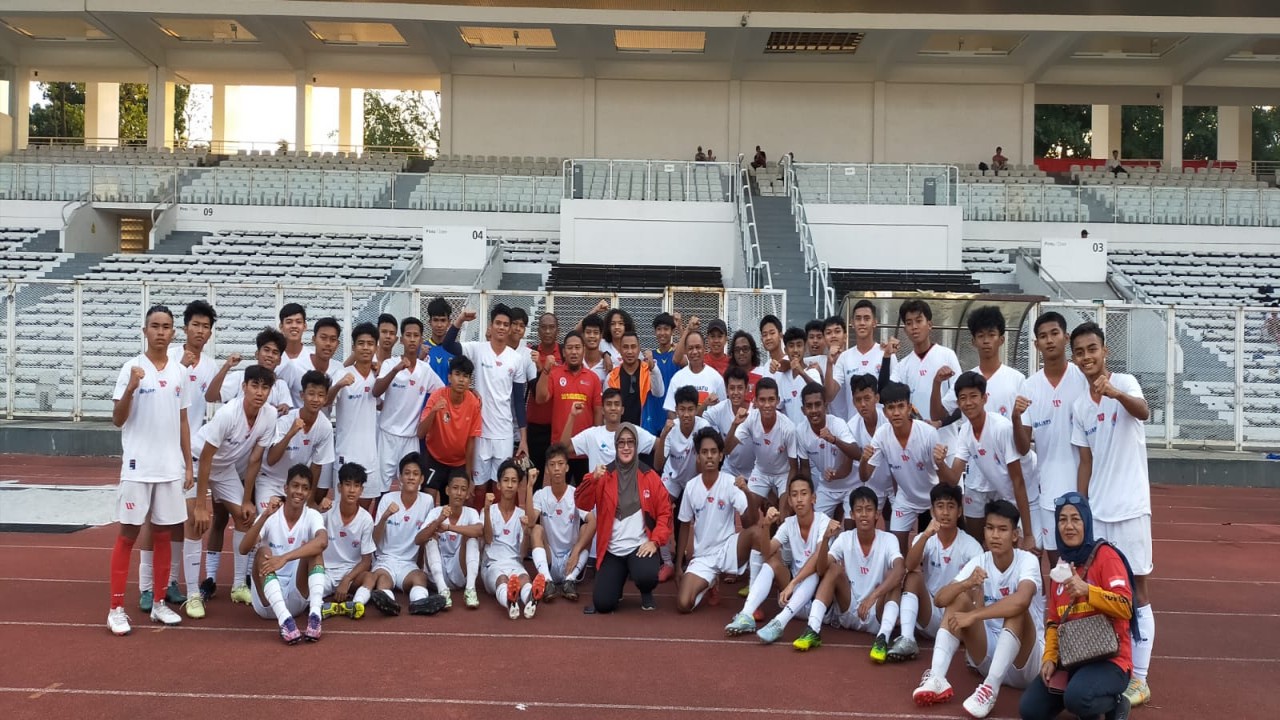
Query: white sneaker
[
  {"x": 981, "y": 702},
  {"x": 161, "y": 613},
  {"x": 118, "y": 622},
  {"x": 932, "y": 690}
]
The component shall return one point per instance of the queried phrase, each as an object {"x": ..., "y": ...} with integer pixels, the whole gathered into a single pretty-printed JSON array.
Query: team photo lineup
[{"x": 827, "y": 474}]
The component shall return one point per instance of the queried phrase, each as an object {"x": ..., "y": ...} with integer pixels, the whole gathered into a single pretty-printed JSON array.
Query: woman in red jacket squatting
[{"x": 634, "y": 514}]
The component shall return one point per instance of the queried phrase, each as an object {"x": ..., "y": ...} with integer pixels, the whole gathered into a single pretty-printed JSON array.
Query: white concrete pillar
[
  {"x": 219, "y": 104},
  {"x": 350, "y": 119},
  {"x": 735, "y": 145},
  {"x": 102, "y": 114},
  {"x": 589, "y": 117},
  {"x": 159, "y": 108},
  {"x": 879, "y": 125},
  {"x": 1235, "y": 133},
  {"x": 1028, "y": 145},
  {"x": 1173, "y": 136},
  {"x": 302, "y": 110},
  {"x": 1106, "y": 131},
  {"x": 20, "y": 106},
  {"x": 446, "y": 115}
]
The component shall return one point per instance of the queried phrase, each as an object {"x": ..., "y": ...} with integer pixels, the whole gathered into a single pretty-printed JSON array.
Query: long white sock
[
  {"x": 944, "y": 648},
  {"x": 315, "y": 589},
  {"x": 800, "y": 597},
  {"x": 175, "y": 560},
  {"x": 361, "y": 595},
  {"x": 435, "y": 566},
  {"x": 1007, "y": 647},
  {"x": 754, "y": 562},
  {"x": 910, "y": 611},
  {"x": 540, "y": 561},
  {"x": 146, "y": 571},
  {"x": 418, "y": 592},
  {"x": 817, "y": 613},
  {"x": 526, "y": 592},
  {"x": 889, "y": 620},
  {"x": 241, "y": 562},
  {"x": 274, "y": 595},
  {"x": 500, "y": 593},
  {"x": 761, "y": 584},
  {"x": 472, "y": 548},
  {"x": 191, "y": 566},
  {"x": 576, "y": 573},
  {"x": 1142, "y": 648},
  {"x": 212, "y": 559}
]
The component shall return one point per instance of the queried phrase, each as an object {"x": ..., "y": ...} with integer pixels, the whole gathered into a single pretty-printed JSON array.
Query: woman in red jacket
[
  {"x": 1100, "y": 582},
  {"x": 633, "y": 515}
]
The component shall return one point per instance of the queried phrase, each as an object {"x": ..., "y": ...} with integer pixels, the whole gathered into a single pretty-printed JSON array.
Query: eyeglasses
[
  {"x": 1071, "y": 498},
  {"x": 626, "y": 443}
]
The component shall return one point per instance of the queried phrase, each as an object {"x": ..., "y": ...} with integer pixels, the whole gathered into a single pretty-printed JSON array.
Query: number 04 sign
[
  {"x": 1074, "y": 259},
  {"x": 455, "y": 246}
]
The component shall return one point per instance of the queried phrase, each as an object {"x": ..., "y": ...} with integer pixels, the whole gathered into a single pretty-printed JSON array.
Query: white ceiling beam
[
  {"x": 267, "y": 32},
  {"x": 126, "y": 30},
  {"x": 1199, "y": 54},
  {"x": 1046, "y": 52},
  {"x": 901, "y": 48},
  {"x": 422, "y": 41}
]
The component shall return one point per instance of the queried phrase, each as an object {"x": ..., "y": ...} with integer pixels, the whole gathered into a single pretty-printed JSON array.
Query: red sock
[
  {"x": 120, "y": 569},
  {"x": 161, "y": 559}
]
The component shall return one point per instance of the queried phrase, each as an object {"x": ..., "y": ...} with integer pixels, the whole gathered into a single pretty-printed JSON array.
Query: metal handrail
[
  {"x": 824, "y": 296},
  {"x": 759, "y": 273}
]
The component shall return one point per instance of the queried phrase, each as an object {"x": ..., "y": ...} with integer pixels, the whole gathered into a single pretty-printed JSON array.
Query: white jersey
[
  {"x": 711, "y": 510},
  {"x": 494, "y": 380},
  {"x": 801, "y": 548},
  {"x": 560, "y": 518},
  {"x": 233, "y": 387},
  {"x": 234, "y": 439},
  {"x": 773, "y": 448},
  {"x": 596, "y": 442},
  {"x": 790, "y": 387},
  {"x": 281, "y": 537},
  {"x": 292, "y": 374},
  {"x": 151, "y": 437},
  {"x": 680, "y": 459},
  {"x": 824, "y": 456},
  {"x": 307, "y": 447},
  {"x": 911, "y": 467},
  {"x": 1119, "y": 488},
  {"x": 707, "y": 383},
  {"x": 917, "y": 373},
  {"x": 508, "y": 535},
  {"x": 402, "y": 527},
  {"x": 348, "y": 542},
  {"x": 607, "y": 348},
  {"x": 855, "y": 362},
  {"x": 402, "y": 400},
  {"x": 941, "y": 564},
  {"x": 865, "y": 570},
  {"x": 1001, "y": 584},
  {"x": 720, "y": 416},
  {"x": 1002, "y": 389},
  {"x": 991, "y": 455},
  {"x": 881, "y": 479},
  {"x": 449, "y": 541},
  {"x": 356, "y": 429},
  {"x": 1049, "y": 418},
  {"x": 198, "y": 379}
]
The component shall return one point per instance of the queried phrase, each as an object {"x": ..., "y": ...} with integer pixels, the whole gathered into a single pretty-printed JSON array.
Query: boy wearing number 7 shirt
[{"x": 450, "y": 424}]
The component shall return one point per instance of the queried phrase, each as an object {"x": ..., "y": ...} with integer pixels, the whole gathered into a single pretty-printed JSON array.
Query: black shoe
[
  {"x": 385, "y": 605},
  {"x": 1121, "y": 711},
  {"x": 646, "y": 601},
  {"x": 429, "y": 605},
  {"x": 569, "y": 589},
  {"x": 552, "y": 592},
  {"x": 208, "y": 588}
]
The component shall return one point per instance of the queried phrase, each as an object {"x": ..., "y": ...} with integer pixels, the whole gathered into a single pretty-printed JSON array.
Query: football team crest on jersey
[{"x": 564, "y": 382}]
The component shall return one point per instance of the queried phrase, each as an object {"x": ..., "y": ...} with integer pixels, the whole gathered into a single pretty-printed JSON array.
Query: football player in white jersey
[
  {"x": 403, "y": 384},
  {"x": 355, "y": 430},
  {"x": 349, "y": 557},
  {"x": 453, "y": 535},
  {"x": 293, "y": 324},
  {"x": 829, "y": 448},
  {"x": 792, "y": 375},
  {"x": 504, "y": 575},
  {"x": 401, "y": 519},
  {"x": 921, "y": 368},
  {"x": 303, "y": 436},
  {"x": 560, "y": 533},
  {"x": 773, "y": 438}
]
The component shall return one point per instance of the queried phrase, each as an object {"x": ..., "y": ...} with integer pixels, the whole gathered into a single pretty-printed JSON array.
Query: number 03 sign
[{"x": 1074, "y": 259}]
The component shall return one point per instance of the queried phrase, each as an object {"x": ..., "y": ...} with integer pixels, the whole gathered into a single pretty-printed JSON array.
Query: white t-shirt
[
  {"x": 230, "y": 433},
  {"x": 774, "y": 448},
  {"x": 711, "y": 511},
  {"x": 596, "y": 442},
  {"x": 1049, "y": 418},
  {"x": 911, "y": 467},
  {"x": 561, "y": 519},
  {"x": 151, "y": 437},
  {"x": 355, "y": 435},
  {"x": 402, "y": 400},
  {"x": 403, "y": 527},
  {"x": 680, "y": 459},
  {"x": 708, "y": 382},
  {"x": 940, "y": 564},
  {"x": 628, "y": 534},
  {"x": 917, "y": 373},
  {"x": 348, "y": 542},
  {"x": 607, "y": 348},
  {"x": 507, "y": 536},
  {"x": 865, "y": 571},
  {"x": 881, "y": 480},
  {"x": 495, "y": 377},
  {"x": 720, "y": 416},
  {"x": 198, "y": 378},
  {"x": 790, "y": 386},
  {"x": 1000, "y": 585},
  {"x": 292, "y": 374},
  {"x": 282, "y": 538},
  {"x": 449, "y": 541},
  {"x": 855, "y": 362},
  {"x": 1119, "y": 488},
  {"x": 991, "y": 455},
  {"x": 1002, "y": 389},
  {"x": 824, "y": 456},
  {"x": 314, "y": 447},
  {"x": 801, "y": 548},
  {"x": 233, "y": 387}
]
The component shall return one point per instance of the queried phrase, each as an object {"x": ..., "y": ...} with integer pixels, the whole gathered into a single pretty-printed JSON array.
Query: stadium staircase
[{"x": 780, "y": 247}]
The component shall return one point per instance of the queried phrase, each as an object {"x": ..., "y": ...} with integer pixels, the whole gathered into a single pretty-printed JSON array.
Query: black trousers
[
  {"x": 539, "y": 440},
  {"x": 612, "y": 576},
  {"x": 1092, "y": 690}
]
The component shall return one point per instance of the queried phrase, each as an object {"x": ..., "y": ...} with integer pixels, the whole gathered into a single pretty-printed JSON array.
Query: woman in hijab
[
  {"x": 1098, "y": 580},
  {"x": 633, "y": 515}
]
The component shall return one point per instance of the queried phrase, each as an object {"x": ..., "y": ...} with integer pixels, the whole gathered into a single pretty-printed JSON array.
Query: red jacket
[{"x": 600, "y": 494}]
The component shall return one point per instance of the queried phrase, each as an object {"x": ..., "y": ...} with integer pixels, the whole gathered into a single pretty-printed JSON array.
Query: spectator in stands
[
  {"x": 700, "y": 156},
  {"x": 711, "y": 155},
  {"x": 1084, "y": 234},
  {"x": 1114, "y": 165},
  {"x": 999, "y": 161},
  {"x": 760, "y": 159}
]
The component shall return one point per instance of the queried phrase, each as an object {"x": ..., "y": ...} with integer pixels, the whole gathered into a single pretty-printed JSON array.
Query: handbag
[{"x": 1087, "y": 639}]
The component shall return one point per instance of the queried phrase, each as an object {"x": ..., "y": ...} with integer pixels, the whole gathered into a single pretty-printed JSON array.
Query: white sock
[
  {"x": 274, "y": 595},
  {"x": 315, "y": 589},
  {"x": 417, "y": 592},
  {"x": 761, "y": 584},
  {"x": 435, "y": 565},
  {"x": 817, "y": 613},
  {"x": 754, "y": 562},
  {"x": 361, "y": 595},
  {"x": 697, "y": 599},
  {"x": 910, "y": 611},
  {"x": 889, "y": 620},
  {"x": 500, "y": 593},
  {"x": 175, "y": 560},
  {"x": 191, "y": 565},
  {"x": 240, "y": 562},
  {"x": 1142, "y": 648},
  {"x": 146, "y": 571},
  {"x": 526, "y": 593},
  {"x": 472, "y": 548},
  {"x": 944, "y": 648},
  {"x": 212, "y": 559},
  {"x": 1007, "y": 647},
  {"x": 540, "y": 561},
  {"x": 577, "y": 569}
]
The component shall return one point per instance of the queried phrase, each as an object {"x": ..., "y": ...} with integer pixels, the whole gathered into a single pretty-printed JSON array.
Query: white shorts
[
  {"x": 333, "y": 576},
  {"x": 294, "y": 600},
  {"x": 391, "y": 450},
  {"x": 328, "y": 475},
  {"x": 398, "y": 569},
  {"x": 724, "y": 559},
  {"x": 904, "y": 518},
  {"x": 849, "y": 619},
  {"x": 493, "y": 571},
  {"x": 1016, "y": 677},
  {"x": 163, "y": 500},
  {"x": 761, "y": 484},
  {"x": 373, "y": 470},
  {"x": 454, "y": 577},
  {"x": 1133, "y": 537},
  {"x": 490, "y": 454},
  {"x": 975, "y": 502},
  {"x": 1046, "y": 538},
  {"x": 828, "y": 499},
  {"x": 935, "y": 619},
  {"x": 262, "y": 494},
  {"x": 226, "y": 486}
]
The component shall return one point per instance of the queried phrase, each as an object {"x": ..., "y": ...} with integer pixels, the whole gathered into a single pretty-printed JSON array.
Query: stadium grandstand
[{"x": 730, "y": 160}]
